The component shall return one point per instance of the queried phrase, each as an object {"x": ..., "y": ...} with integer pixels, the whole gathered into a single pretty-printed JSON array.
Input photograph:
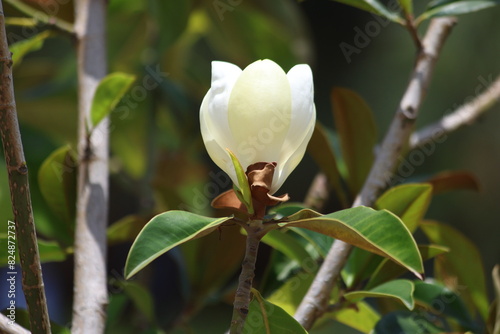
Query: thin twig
[
  {"x": 6, "y": 327},
  {"x": 25, "y": 234},
  {"x": 42, "y": 17},
  {"x": 90, "y": 286},
  {"x": 410, "y": 25},
  {"x": 464, "y": 115},
  {"x": 315, "y": 302},
  {"x": 243, "y": 292}
]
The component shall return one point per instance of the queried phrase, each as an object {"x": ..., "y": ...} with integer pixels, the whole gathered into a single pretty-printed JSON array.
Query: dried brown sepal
[
  {"x": 228, "y": 200},
  {"x": 260, "y": 178}
]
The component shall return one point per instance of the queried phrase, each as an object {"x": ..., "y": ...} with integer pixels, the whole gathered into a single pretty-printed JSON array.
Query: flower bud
[{"x": 261, "y": 114}]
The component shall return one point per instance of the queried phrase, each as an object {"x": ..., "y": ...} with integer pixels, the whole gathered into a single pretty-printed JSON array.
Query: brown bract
[{"x": 260, "y": 178}]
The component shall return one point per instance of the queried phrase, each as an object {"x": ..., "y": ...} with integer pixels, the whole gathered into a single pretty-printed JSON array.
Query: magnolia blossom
[{"x": 261, "y": 114}]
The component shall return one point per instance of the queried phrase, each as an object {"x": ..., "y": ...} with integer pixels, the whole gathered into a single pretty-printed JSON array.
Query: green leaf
[
  {"x": 360, "y": 317},
  {"x": 49, "y": 251},
  {"x": 374, "y": 6},
  {"x": 462, "y": 267},
  {"x": 387, "y": 270},
  {"x": 454, "y": 7},
  {"x": 357, "y": 132},
  {"x": 243, "y": 191},
  {"x": 380, "y": 232},
  {"x": 287, "y": 244},
  {"x": 57, "y": 182},
  {"x": 109, "y": 92},
  {"x": 453, "y": 180},
  {"x": 22, "y": 48},
  {"x": 401, "y": 290},
  {"x": 265, "y": 317},
  {"x": 323, "y": 154},
  {"x": 443, "y": 301},
  {"x": 405, "y": 322},
  {"x": 407, "y": 201},
  {"x": 164, "y": 232}
]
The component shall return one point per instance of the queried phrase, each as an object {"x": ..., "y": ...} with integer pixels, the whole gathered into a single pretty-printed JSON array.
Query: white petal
[
  {"x": 302, "y": 87},
  {"x": 213, "y": 115},
  {"x": 259, "y": 112},
  {"x": 284, "y": 169},
  {"x": 216, "y": 152},
  {"x": 301, "y": 125},
  {"x": 224, "y": 75}
]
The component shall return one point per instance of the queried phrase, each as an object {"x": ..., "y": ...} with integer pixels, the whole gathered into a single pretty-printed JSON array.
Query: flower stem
[{"x": 242, "y": 299}]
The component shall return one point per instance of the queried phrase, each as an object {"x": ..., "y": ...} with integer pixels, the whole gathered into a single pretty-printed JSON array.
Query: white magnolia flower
[{"x": 261, "y": 114}]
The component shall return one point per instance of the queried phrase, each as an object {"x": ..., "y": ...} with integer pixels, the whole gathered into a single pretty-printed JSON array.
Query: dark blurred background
[{"x": 158, "y": 161}]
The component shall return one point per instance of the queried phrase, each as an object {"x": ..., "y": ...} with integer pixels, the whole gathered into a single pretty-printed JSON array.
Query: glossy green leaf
[
  {"x": 243, "y": 191},
  {"x": 405, "y": 322},
  {"x": 401, "y": 290},
  {"x": 57, "y": 182},
  {"x": 49, "y": 251},
  {"x": 444, "y": 302},
  {"x": 453, "y": 180},
  {"x": 164, "y": 232},
  {"x": 374, "y": 6},
  {"x": 265, "y": 317},
  {"x": 454, "y": 7},
  {"x": 361, "y": 317},
  {"x": 407, "y": 201},
  {"x": 323, "y": 154},
  {"x": 387, "y": 270},
  {"x": 109, "y": 92},
  {"x": 462, "y": 267},
  {"x": 357, "y": 132},
  {"x": 22, "y": 48},
  {"x": 287, "y": 244},
  {"x": 368, "y": 229}
]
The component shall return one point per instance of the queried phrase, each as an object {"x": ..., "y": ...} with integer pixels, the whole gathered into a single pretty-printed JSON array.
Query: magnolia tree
[{"x": 359, "y": 265}]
